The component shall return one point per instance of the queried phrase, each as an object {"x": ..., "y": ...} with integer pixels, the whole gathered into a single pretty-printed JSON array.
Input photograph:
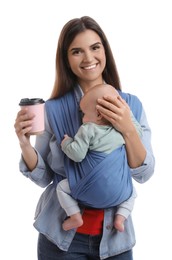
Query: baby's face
[
  {"x": 89, "y": 113},
  {"x": 89, "y": 102}
]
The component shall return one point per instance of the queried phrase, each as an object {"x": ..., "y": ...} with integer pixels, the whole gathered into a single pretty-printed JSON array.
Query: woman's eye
[
  {"x": 96, "y": 47},
  {"x": 76, "y": 52}
]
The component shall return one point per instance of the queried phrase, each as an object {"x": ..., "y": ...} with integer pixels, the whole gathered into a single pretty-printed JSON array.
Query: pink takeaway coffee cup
[{"x": 35, "y": 106}]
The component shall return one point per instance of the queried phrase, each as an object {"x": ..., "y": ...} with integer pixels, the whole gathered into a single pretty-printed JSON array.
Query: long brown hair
[{"x": 65, "y": 79}]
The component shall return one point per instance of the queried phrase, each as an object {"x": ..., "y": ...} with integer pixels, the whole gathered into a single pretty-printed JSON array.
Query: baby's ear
[{"x": 99, "y": 116}]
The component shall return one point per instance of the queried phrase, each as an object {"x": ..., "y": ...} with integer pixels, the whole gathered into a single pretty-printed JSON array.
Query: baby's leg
[
  {"x": 70, "y": 206},
  {"x": 123, "y": 211}
]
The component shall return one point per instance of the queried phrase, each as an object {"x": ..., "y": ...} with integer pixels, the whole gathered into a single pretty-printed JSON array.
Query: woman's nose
[{"x": 88, "y": 56}]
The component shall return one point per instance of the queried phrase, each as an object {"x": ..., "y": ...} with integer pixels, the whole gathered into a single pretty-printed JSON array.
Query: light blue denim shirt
[{"x": 49, "y": 215}]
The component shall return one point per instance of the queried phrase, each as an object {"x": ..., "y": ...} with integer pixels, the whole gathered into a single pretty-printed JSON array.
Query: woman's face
[{"x": 87, "y": 60}]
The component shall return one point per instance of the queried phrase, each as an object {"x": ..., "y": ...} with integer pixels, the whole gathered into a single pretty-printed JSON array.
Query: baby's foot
[
  {"x": 119, "y": 222},
  {"x": 72, "y": 222}
]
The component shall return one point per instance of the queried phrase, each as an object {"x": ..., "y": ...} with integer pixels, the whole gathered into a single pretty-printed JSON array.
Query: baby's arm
[{"x": 77, "y": 147}]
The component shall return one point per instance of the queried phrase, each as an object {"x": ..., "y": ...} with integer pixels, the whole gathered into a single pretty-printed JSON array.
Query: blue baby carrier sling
[{"x": 100, "y": 180}]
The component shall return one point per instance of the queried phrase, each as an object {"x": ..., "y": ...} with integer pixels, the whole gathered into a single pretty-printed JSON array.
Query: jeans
[{"x": 83, "y": 247}]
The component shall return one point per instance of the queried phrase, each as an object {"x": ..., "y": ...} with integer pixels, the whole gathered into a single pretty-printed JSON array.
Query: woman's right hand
[{"x": 23, "y": 126}]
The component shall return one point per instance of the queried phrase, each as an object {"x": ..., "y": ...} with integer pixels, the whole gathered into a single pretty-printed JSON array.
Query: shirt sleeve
[
  {"x": 45, "y": 146},
  {"x": 76, "y": 148},
  {"x": 145, "y": 171},
  {"x": 39, "y": 175}
]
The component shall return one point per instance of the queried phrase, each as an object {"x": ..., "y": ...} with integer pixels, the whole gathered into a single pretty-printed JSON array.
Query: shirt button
[{"x": 108, "y": 227}]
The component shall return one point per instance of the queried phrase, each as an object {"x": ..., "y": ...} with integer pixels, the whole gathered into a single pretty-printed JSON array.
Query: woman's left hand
[{"x": 117, "y": 112}]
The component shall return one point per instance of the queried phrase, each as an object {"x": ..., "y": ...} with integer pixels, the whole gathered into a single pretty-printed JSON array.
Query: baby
[{"x": 96, "y": 133}]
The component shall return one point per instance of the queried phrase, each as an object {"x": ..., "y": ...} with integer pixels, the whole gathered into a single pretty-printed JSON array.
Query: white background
[{"x": 140, "y": 36}]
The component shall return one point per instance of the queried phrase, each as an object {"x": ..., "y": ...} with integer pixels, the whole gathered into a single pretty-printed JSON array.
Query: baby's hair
[{"x": 98, "y": 91}]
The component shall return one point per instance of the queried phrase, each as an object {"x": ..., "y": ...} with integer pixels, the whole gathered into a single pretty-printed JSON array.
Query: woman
[{"x": 83, "y": 60}]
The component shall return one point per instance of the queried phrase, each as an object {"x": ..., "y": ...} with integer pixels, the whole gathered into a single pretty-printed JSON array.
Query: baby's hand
[{"x": 64, "y": 139}]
